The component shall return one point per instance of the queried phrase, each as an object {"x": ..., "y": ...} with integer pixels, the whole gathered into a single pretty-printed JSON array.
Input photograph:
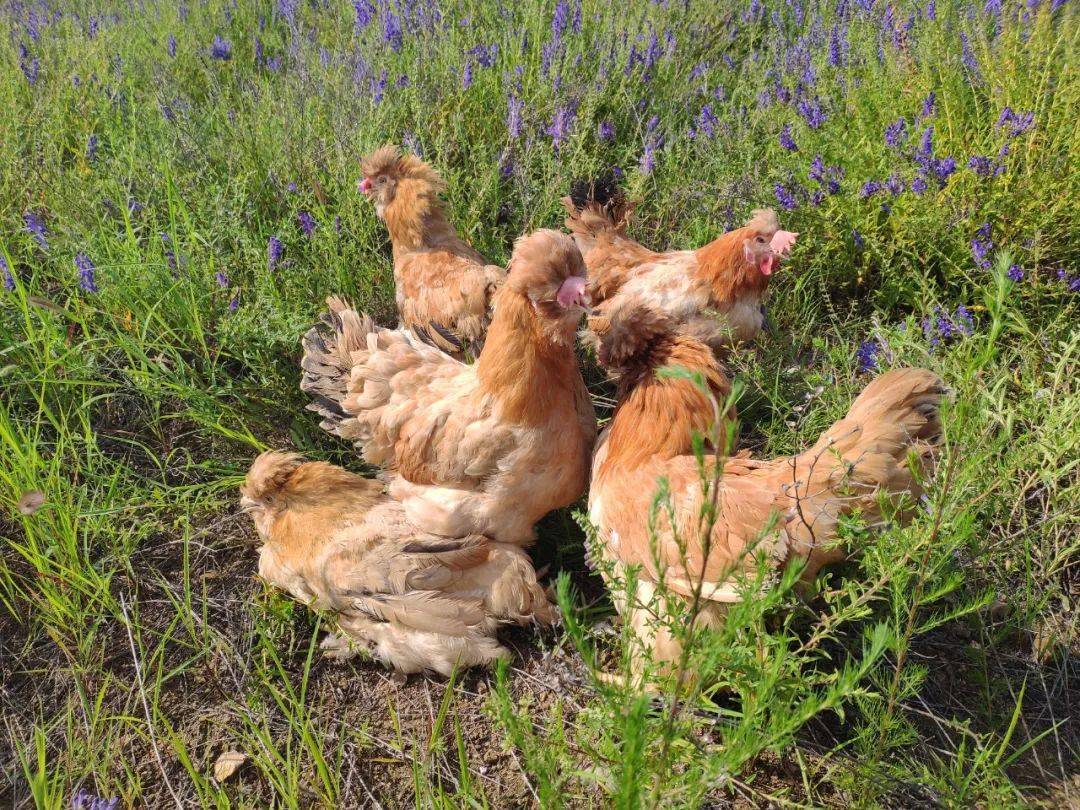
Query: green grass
[{"x": 135, "y": 645}]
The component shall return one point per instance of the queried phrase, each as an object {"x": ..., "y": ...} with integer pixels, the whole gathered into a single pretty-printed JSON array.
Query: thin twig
[{"x": 146, "y": 706}]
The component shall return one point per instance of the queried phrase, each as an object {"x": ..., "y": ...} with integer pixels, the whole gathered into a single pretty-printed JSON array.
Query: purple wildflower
[
  {"x": 86, "y": 272},
  {"x": 895, "y": 184},
  {"x": 964, "y": 320},
  {"x": 931, "y": 10},
  {"x": 967, "y": 56},
  {"x": 513, "y": 115},
  {"x": 560, "y": 19},
  {"x": 562, "y": 124},
  {"x": 365, "y": 13},
  {"x": 869, "y": 188},
  {"x": 895, "y": 133},
  {"x": 982, "y": 245},
  {"x": 837, "y": 45},
  {"x": 707, "y": 121},
  {"x": 91, "y": 148},
  {"x": 944, "y": 168},
  {"x": 392, "y": 33},
  {"x": 221, "y": 49},
  {"x": 606, "y": 131},
  {"x": 274, "y": 252},
  {"x": 786, "y": 141},
  {"x": 84, "y": 800},
  {"x": 928, "y": 106},
  {"x": 379, "y": 88},
  {"x": 919, "y": 184},
  {"x": 866, "y": 354},
  {"x": 467, "y": 75},
  {"x": 35, "y": 226},
  {"x": 307, "y": 222},
  {"x": 31, "y": 66},
  {"x": 648, "y": 156},
  {"x": 981, "y": 165},
  {"x": 287, "y": 10},
  {"x": 170, "y": 45},
  {"x": 857, "y": 238},
  {"x": 9, "y": 279},
  {"x": 925, "y": 153},
  {"x": 1015, "y": 273},
  {"x": 785, "y": 197},
  {"x": 221, "y": 279},
  {"x": 1017, "y": 123},
  {"x": 812, "y": 113},
  {"x": 234, "y": 302}
]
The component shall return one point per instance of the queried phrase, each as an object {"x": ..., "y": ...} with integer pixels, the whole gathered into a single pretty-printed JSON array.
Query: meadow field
[{"x": 177, "y": 198}]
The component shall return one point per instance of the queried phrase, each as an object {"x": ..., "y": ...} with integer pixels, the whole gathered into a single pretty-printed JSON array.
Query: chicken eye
[
  {"x": 380, "y": 180},
  {"x": 760, "y": 240}
]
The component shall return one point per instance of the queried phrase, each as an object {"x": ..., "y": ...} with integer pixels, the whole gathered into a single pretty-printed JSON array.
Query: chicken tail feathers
[
  {"x": 594, "y": 207},
  {"x": 896, "y": 415},
  {"x": 327, "y": 361}
]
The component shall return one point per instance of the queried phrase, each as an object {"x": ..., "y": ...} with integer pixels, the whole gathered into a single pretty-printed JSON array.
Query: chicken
[
  {"x": 487, "y": 448},
  {"x": 416, "y": 602},
  {"x": 724, "y": 280},
  {"x": 443, "y": 286},
  {"x": 780, "y": 510}
]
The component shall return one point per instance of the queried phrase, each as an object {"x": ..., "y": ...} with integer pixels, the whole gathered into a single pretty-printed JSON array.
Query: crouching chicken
[
  {"x": 487, "y": 448},
  {"x": 723, "y": 282},
  {"x": 414, "y": 601},
  {"x": 782, "y": 509}
]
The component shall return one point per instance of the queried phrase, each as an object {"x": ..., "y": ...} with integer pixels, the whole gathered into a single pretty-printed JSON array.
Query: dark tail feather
[{"x": 603, "y": 191}]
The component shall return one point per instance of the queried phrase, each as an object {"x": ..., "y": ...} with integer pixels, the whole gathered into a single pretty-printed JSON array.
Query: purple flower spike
[
  {"x": 1015, "y": 273},
  {"x": 895, "y": 133},
  {"x": 221, "y": 49},
  {"x": 35, "y": 226},
  {"x": 786, "y": 141},
  {"x": 221, "y": 279},
  {"x": 86, "y": 272},
  {"x": 9, "y": 279},
  {"x": 275, "y": 250},
  {"x": 307, "y": 223},
  {"x": 866, "y": 354},
  {"x": 606, "y": 131},
  {"x": 785, "y": 197},
  {"x": 84, "y": 800}
]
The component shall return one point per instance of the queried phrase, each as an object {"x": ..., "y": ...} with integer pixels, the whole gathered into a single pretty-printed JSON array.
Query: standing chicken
[
  {"x": 782, "y": 509},
  {"x": 487, "y": 448},
  {"x": 443, "y": 286},
  {"x": 415, "y": 601},
  {"x": 726, "y": 279}
]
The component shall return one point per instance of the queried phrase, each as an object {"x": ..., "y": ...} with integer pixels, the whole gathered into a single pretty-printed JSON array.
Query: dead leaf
[
  {"x": 31, "y": 501},
  {"x": 44, "y": 303},
  {"x": 228, "y": 764}
]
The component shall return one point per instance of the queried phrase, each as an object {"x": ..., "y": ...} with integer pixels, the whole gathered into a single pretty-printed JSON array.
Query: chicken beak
[
  {"x": 365, "y": 185},
  {"x": 248, "y": 505}
]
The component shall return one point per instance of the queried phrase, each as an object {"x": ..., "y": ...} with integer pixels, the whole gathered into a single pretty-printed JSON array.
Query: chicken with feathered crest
[
  {"x": 778, "y": 510},
  {"x": 487, "y": 448},
  {"x": 443, "y": 287},
  {"x": 724, "y": 281}
]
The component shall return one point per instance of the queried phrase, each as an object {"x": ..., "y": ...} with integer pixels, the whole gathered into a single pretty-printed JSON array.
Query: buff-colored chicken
[
  {"x": 443, "y": 287},
  {"x": 781, "y": 509},
  {"x": 723, "y": 281},
  {"x": 415, "y": 601},
  {"x": 487, "y": 448}
]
